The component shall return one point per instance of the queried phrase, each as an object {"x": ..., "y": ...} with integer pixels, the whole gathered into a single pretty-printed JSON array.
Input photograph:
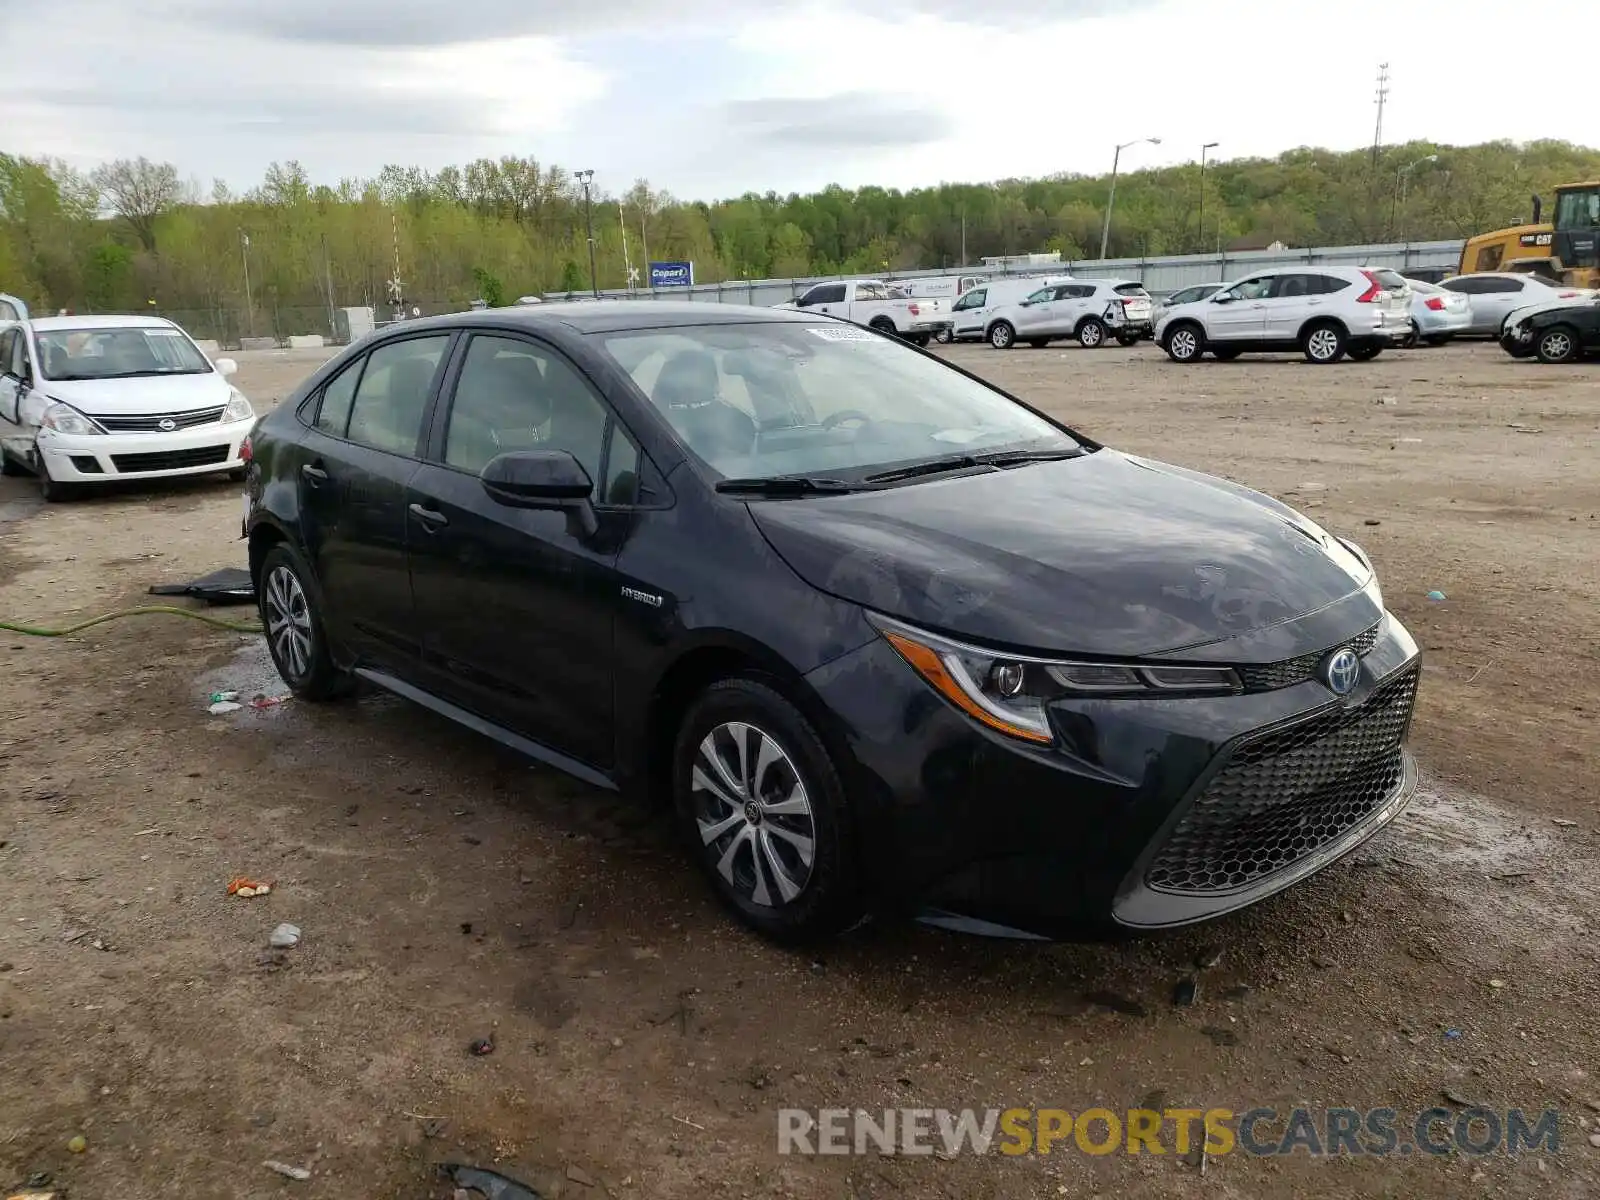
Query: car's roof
[
  {"x": 100, "y": 322},
  {"x": 613, "y": 316}
]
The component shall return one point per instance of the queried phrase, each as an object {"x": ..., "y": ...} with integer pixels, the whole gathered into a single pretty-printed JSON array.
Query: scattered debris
[
  {"x": 481, "y": 1046},
  {"x": 1436, "y": 595},
  {"x": 222, "y": 707},
  {"x": 1564, "y": 824},
  {"x": 261, "y": 700},
  {"x": 490, "y": 1184},
  {"x": 1497, "y": 984},
  {"x": 579, "y": 1175},
  {"x": 1220, "y": 1036},
  {"x": 77, "y": 1143},
  {"x": 285, "y": 937},
  {"x": 1452, "y": 1035},
  {"x": 223, "y": 697},
  {"x": 231, "y": 585},
  {"x": 1372, "y": 521},
  {"x": 1237, "y": 992},
  {"x": 288, "y": 1172},
  {"x": 1209, "y": 958},
  {"x": 689, "y": 1123},
  {"x": 434, "y": 1127},
  {"x": 1519, "y": 427},
  {"x": 246, "y": 888},
  {"x": 1456, "y": 1097},
  {"x": 1185, "y": 993}
]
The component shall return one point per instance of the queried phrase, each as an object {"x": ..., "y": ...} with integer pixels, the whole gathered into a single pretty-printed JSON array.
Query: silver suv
[{"x": 1324, "y": 312}]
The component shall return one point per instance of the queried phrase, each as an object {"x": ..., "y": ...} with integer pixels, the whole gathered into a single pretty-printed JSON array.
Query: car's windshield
[
  {"x": 117, "y": 353},
  {"x": 774, "y": 398}
]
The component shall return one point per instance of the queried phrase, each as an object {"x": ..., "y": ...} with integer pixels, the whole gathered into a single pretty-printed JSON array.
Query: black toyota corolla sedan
[{"x": 884, "y": 635}]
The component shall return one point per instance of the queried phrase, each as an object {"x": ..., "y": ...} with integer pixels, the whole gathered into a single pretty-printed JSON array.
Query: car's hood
[
  {"x": 1544, "y": 306},
  {"x": 140, "y": 395},
  {"x": 1104, "y": 554}
]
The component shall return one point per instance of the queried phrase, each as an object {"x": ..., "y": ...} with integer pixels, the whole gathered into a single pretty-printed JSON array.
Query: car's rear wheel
[
  {"x": 883, "y": 325},
  {"x": 1092, "y": 333},
  {"x": 9, "y": 465},
  {"x": 1365, "y": 353},
  {"x": 292, "y": 618},
  {"x": 1411, "y": 339},
  {"x": 1559, "y": 344},
  {"x": 764, "y": 809},
  {"x": 1185, "y": 344},
  {"x": 1002, "y": 335},
  {"x": 1323, "y": 343},
  {"x": 943, "y": 337}
]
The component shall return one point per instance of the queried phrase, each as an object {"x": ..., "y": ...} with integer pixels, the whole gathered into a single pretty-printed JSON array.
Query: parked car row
[{"x": 1036, "y": 312}]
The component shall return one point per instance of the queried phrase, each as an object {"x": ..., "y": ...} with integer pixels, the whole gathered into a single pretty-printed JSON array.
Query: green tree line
[{"x": 278, "y": 257}]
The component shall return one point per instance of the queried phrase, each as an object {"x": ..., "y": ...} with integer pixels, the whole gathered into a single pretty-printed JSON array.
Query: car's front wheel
[
  {"x": 1185, "y": 344},
  {"x": 764, "y": 810},
  {"x": 51, "y": 490},
  {"x": 1002, "y": 336},
  {"x": 1559, "y": 344},
  {"x": 296, "y": 632}
]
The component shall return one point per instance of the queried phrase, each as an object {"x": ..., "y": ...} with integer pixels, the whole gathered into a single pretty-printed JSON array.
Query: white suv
[
  {"x": 1324, "y": 312},
  {"x": 1090, "y": 310}
]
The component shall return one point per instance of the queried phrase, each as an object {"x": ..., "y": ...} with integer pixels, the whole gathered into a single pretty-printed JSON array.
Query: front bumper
[
  {"x": 102, "y": 458},
  {"x": 1140, "y": 816}
]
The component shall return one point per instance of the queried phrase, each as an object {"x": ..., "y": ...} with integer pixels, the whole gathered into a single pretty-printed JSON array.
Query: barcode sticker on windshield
[{"x": 842, "y": 333}]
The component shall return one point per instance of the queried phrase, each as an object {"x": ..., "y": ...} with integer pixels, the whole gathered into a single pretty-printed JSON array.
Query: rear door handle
[
  {"x": 430, "y": 517},
  {"x": 315, "y": 476}
]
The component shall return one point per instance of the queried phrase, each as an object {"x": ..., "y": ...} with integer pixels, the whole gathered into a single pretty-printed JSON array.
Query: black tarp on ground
[{"x": 227, "y": 586}]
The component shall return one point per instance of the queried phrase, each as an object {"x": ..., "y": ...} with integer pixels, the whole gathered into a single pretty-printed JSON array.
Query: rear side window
[
  {"x": 1392, "y": 280},
  {"x": 1500, "y": 285},
  {"x": 973, "y": 299},
  {"x": 826, "y": 293},
  {"x": 333, "y": 415},
  {"x": 386, "y": 413},
  {"x": 1326, "y": 285}
]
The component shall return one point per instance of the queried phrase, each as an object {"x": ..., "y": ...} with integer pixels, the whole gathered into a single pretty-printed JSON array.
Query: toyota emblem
[
  {"x": 166, "y": 424},
  {"x": 1341, "y": 670}
]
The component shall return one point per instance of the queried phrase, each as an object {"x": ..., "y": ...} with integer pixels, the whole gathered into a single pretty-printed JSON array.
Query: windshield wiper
[
  {"x": 1013, "y": 458},
  {"x": 786, "y": 485},
  {"x": 934, "y": 466}
]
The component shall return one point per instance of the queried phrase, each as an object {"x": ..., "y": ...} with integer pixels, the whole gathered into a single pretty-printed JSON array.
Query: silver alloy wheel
[
  {"x": 751, "y": 807},
  {"x": 1323, "y": 344},
  {"x": 1184, "y": 345},
  {"x": 1092, "y": 334},
  {"x": 1000, "y": 336},
  {"x": 1556, "y": 344},
  {"x": 289, "y": 621}
]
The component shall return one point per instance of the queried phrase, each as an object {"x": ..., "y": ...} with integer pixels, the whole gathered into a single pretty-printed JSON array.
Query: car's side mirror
[
  {"x": 548, "y": 479},
  {"x": 1222, "y": 298},
  {"x": 227, "y": 367}
]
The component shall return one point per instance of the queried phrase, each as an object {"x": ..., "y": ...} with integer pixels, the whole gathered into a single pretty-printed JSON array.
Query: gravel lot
[{"x": 450, "y": 891}]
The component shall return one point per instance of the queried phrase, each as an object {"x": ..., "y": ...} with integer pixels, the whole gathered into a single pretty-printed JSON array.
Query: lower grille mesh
[{"x": 1288, "y": 794}]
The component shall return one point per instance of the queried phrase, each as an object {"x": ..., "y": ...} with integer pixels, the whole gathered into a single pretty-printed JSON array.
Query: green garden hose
[{"x": 144, "y": 610}]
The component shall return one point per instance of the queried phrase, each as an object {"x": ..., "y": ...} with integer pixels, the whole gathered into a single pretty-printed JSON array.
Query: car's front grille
[
  {"x": 153, "y": 423},
  {"x": 1287, "y": 794},
  {"x": 1270, "y": 676},
  {"x": 170, "y": 460}
]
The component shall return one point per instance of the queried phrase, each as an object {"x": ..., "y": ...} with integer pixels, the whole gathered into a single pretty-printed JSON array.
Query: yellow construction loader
[{"x": 1566, "y": 250}]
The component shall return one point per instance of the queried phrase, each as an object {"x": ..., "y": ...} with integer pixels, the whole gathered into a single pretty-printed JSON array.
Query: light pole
[
  {"x": 585, "y": 178},
  {"x": 1105, "y": 230},
  {"x": 1203, "y": 149},
  {"x": 1402, "y": 179},
  {"x": 249, "y": 306}
]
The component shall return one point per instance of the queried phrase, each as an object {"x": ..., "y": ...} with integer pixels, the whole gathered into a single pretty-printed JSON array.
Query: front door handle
[
  {"x": 315, "y": 476},
  {"x": 432, "y": 518}
]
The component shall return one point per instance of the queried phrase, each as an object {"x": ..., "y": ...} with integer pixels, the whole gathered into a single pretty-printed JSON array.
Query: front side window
[
  {"x": 973, "y": 299},
  {"x": 515, "y": 395},
  {"x": 118, "y": 353},
  {"x": 774, "y": 398},
  {"x": 1041, "y": 296},
  {"x": 823, "y": 293},
  {"x": 1578, "y": 210},
  {"x": 1252, "y": 289},
  {"x": 386, "y": 412}
]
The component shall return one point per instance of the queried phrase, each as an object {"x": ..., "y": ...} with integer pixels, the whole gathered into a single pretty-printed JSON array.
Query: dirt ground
[{"x": 448, "y": 890}]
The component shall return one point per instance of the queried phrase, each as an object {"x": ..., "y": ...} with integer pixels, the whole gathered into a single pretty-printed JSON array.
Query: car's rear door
[
  {"x": 366, "y": 430},
  {"x": 516, "y": 605}
]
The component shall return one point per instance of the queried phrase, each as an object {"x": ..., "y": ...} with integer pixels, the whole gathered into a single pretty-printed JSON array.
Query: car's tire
[
  {"x": 50, "y": 490},
  {"x": 944, "y": 337},
  {"x": 752, "y": 818},
  {"x": 1558, "y": 345},
  {"x": 1323, "y": 343},
  {"x": 883, "y": 325},
  {"x": 1002, "y": 335},
  {"x": 1038, "y": 343},
  {"x": 1128, "y": 339},
  {"x": 1409, "y": 342},
  {"x": 239, "y": 474},
  {"x": 291, "y": 615},
  {"x": 1184, "y": 343},
  {"x": 1365, "y": 353},
  {"x": 1091, "y": 333},
  {"x": 1225, "y": 353},
  {"x": 1438, "y": 339},
  {"x": 920, "y": 339},
  {"x": 10, "y": 466}
]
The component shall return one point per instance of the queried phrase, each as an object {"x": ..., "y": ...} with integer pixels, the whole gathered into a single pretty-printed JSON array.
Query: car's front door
[
  {"x": 968, "y": 312},
  {"x": 1295, "y": 298},
  {"x": 517, "y": 605},
  {"x": 1062, "y": 314},
  {"x": 355, "y": 461},
  {"x": 1239, "y": 313}
]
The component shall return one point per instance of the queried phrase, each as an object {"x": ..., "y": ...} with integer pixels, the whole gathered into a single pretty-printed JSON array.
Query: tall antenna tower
[{"x": 1382, "y": 98}]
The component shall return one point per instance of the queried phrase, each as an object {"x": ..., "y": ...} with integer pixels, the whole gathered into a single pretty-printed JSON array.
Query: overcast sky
[{"x": 711, "y": 98}]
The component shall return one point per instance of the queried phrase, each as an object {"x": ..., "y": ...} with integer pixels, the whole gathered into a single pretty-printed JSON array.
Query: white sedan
[{"x": 87, "y": 400}]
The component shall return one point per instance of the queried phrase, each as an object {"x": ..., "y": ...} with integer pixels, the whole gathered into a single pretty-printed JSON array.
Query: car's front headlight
[
  {"x": 63, "y": 418},
  {"x": 1009, "y": 693},
  {"x": 238, "y": 407}
]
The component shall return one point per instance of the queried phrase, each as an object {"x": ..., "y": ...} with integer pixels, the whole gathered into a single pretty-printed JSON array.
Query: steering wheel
[{"x": 833, "y": 420}]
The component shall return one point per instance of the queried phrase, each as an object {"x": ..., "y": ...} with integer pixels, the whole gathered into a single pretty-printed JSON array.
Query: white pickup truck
[{"x": 874, "y": 304}]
